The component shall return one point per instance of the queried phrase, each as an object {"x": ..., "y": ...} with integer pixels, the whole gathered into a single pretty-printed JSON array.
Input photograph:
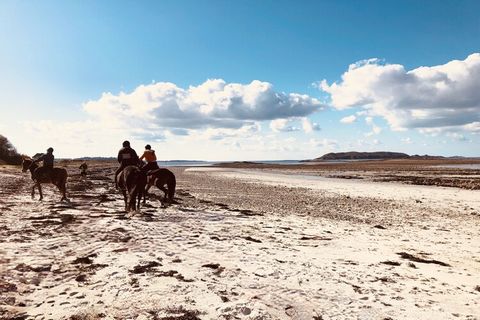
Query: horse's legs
[
  {"x": 125, "y": 199},
  {"x": 60, "y": 188},
  {"x": 40, "y": 190},
  {"x": 132, "y": 199},
  {"x": 149, "y": 185},
  {"x": 162, "y": 187},
  {"x": 33, "y": 190},
  {"x": 165, "y": 191},
  {"x": 63, "y": 190},
  {"x": 141, "y": 192}
]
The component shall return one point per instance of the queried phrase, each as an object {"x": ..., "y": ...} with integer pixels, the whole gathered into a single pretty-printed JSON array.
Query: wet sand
[{"x": 240, "y": 244}]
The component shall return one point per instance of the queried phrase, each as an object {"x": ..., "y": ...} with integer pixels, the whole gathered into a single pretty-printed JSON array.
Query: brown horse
[
  {"x": 160, "y": 178},
  {"x": 132, "y": 181},
  {"x": 57, "y": 176}
]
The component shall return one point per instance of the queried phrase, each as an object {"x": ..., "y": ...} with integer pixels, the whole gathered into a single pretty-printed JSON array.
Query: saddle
[{"x": 44, "y": 173}]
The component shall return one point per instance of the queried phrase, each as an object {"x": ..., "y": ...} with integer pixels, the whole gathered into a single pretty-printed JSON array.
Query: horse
[
  {"x": 132, "y": 181},
  {"x": 160, "y": 178},
  {"x": 57, "y": 176},
  {"x": 83, "y": 169}
]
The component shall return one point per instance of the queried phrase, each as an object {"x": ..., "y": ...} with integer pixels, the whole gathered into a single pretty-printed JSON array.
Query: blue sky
[{"x": 58, "y": 58}]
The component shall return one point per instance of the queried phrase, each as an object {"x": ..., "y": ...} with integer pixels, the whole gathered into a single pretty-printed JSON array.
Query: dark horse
[
  {"x": 160, "y": 178},
  {"x": 57, "y": 176},
  {"x": 132, "y": 181}
]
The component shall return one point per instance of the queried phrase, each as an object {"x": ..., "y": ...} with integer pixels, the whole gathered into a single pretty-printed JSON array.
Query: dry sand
[{"x": 240, "y": 244}]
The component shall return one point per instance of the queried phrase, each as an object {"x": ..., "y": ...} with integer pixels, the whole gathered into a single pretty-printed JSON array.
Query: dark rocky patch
[{"x": 411, "y": 257}]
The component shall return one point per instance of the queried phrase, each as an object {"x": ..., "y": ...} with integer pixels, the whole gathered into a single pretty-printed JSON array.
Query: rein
[{"x": 32, "y": 166}]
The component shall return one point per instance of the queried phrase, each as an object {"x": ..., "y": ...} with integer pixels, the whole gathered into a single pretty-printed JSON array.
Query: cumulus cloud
[
  {"x": 375, "y": 129},
  {"x": 325, "y": 143},
  {"x": 309, "y": 126},
  {"x": 456, "y": 136},
  {"x": 473, "y": 127},
  {"x": 440, "y": 96},
  {"x": 283, "y": 125},
  {"x": 215, "y": 115},
  {"x": 212, "y": 104},
  {"x": 222, "y": 133},
  {"x": 348, "y": 119},
  {"x": 293, "y": 124}
]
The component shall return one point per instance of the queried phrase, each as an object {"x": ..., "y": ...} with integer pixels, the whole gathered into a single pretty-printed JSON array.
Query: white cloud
[
  {"x": 375, "y": 129},
  {"x": 349, "y": 119},
  {"x": 366, "y": 145},
  {"x": 327, "y": 144},
  {"x": 213, "y": 104},
  {"x": 427, "y": 97},
  {"x": 456, "y": 136},
  {"x": 282, "y": 125},
  {"x": 205, "y": 121},
  {"x": 309, "y": 126},
  {"x": 406, "y": 140},
  {"x": 473, "y": 127},
  {"x": 223, "y": 133}
]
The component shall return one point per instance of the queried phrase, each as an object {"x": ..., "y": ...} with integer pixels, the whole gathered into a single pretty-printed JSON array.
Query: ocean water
[
  {"x": 199, "y": 163},
  {"x": 185, "y": 163},
  {"x": 474, "y": 166}
]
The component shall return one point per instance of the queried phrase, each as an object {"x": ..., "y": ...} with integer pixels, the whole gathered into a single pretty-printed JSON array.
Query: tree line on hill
[{"x": 8, "y": 153}]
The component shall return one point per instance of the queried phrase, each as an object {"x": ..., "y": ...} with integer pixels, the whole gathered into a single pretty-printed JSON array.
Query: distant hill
[
  {"x": 8, "y": 153},
  {"x": 378, "y": 155}
]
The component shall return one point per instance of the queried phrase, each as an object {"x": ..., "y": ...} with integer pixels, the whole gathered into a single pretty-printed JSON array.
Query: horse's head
[{"x": 26, "y": 163}]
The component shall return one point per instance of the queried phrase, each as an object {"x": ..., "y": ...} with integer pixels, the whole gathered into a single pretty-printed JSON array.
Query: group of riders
[
  {"x": 134, "y": 176},
  {"x": 126, "y": 157}
]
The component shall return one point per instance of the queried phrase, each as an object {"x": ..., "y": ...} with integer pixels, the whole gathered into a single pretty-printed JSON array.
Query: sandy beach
[{"x": 242, "y": 243}]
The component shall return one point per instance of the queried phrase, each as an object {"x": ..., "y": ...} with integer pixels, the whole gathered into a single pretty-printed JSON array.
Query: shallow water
[
  {"x": 473, "y": 166},
  {"x": 193, "y": 163}
]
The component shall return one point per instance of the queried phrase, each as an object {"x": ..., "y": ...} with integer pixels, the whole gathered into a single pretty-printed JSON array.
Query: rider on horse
[
  {"x": 151, "y": 159},
  {"x": 47, "y": 167},
  {"x": 126, "y": 157},
  {"x": 83, "y": 169}
]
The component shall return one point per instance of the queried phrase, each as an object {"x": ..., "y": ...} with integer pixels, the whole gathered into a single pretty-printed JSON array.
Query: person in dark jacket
[
  {"x": 126, "y": 157},
  {"x": 47, "y": 165}
]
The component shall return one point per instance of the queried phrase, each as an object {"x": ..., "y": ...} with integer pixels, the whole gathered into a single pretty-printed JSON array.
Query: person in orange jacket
[{"x": 150, "y": 157}]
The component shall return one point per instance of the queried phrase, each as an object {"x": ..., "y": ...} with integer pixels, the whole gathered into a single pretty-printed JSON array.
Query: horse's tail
[
  {"x": 133, "y": 194},
  {"x": 137, "y": 188},
  {"x": 171, "y": 184}
]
